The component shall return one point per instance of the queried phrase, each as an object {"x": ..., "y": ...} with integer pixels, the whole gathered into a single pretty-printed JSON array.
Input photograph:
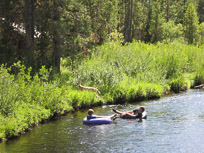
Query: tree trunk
[
  {"x": 167, "y": 11},
  {"x": 56, "y": 40},
  {"x": 29, "y": 27},
  {"x": 128, "y": 21},
  {"x": 147, "y": 36},
  {"x": 184, "y": 5},
  {"x": 131, "y": 17}
]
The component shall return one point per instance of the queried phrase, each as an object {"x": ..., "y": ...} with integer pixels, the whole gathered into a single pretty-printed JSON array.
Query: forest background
[
  {"x": 129, "y": 49},
  {"x": 40, "y": 32}
]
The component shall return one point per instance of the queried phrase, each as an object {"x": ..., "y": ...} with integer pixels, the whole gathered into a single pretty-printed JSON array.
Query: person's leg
[
  {"x": 116, "y": 111},
  {"x": 123, "y": 114},
  {"x": 113, "y": 117}
]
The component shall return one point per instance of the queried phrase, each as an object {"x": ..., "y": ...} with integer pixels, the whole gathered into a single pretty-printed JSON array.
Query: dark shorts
[
  {"x": 127, "y": 117},
  {"x": 139, "y": 116}
]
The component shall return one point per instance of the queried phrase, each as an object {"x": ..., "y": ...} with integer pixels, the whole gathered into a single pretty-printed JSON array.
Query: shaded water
[{"x": 174, "y": 124}]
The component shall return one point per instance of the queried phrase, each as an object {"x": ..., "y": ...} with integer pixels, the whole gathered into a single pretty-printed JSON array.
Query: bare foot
[
  {"x": 115, "y": 110},
  {"x": 113, "y": 117}
]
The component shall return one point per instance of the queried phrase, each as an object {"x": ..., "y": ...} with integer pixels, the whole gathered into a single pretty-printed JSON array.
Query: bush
[
  {"x": 199, "y": 78},
  {"x": 176, "y": 83},
  {"x": 171, "y": 32}
]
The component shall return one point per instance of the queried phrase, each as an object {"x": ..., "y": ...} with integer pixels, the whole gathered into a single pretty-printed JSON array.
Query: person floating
[
  {"x": 91, "y": 116},
  {"x": 133, "y": 114}
]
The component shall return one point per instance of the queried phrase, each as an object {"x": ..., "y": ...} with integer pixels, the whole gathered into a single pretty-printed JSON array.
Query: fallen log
[
  {"x": 88, "y": 88},
  {"x": 199, "y": 86}
]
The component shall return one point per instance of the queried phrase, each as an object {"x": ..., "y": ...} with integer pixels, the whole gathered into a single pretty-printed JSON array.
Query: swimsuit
[{"x": 91, "y": 117}]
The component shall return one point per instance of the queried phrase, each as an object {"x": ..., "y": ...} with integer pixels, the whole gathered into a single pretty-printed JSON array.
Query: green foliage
[
  {"x": 130, "y": 90},
  {"x": 26, "y": 100},
  {"x": 201, "y": 33},
  {"x": 176, "y": 83},
  {"x": 70, "y": 28},
  {"x": 199, "y": 78},
  {"x": 137, "y": 70},
  {"x": 156, "y": 22},
  {"x": 201, "y": 10},
  {"x": 139, "y": 19},
  {"x": 89, "y": 24},
  {"x": 191, "y": 24},
  {"x": 116, "y": 37},
  {"x": 171, "y": 32}
]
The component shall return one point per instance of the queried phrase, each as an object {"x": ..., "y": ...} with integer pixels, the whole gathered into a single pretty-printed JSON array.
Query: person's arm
[
  {"x": 128, "y": 113},
  {"x": 121, "y": 113},
  {"x": 132, "y": 115},
  {"x": 131, "y": 112}
]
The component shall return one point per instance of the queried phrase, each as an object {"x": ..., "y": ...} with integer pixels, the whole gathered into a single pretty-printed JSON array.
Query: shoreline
[{"x": 59, "y": 115}]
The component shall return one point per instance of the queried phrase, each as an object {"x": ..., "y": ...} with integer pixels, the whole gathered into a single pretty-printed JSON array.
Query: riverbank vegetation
[
  {"x": 27, "y": 100},
  {"x": 129, "y": 50},
  {"x": 136, "y": 71}
]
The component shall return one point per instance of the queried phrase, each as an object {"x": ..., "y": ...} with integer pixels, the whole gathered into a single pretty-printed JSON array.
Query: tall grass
[{"x": 161, "y": 64}]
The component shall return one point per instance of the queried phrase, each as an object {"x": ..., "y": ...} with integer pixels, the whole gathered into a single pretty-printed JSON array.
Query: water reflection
[{"x": 174, "y": 124}]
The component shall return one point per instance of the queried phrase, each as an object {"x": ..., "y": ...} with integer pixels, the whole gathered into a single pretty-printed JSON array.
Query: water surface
[{"x": 174, "y": 124}]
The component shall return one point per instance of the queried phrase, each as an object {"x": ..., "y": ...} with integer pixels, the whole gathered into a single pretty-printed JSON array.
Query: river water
[{"x": 174, "y": 124}]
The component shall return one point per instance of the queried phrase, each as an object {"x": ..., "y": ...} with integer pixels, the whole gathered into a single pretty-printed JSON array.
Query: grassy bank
[
  {"x": 118, "y": 70},
  {"x": 26, "y": 101},
  {"x": 129, "y": 73}
]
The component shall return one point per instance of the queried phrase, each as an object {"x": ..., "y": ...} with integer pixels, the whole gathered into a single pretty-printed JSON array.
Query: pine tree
[
  {"x": 201, "y": 11},
  {"x": 140, "y": 13},
  {"x": 128, "y": 20},
  {"x": 191, "y": 24},
  {"x": 29, "y": 26},
  {"x": 156, "y": 22}
]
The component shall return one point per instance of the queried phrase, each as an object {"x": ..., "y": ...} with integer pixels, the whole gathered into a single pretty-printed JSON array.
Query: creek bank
[
  {"x": 201, "y": 86},
  {"x": 58, "y": 115}
]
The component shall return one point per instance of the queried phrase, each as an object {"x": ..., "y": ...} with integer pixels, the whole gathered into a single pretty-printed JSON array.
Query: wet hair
[
  {"x": 90, "y": 111},
  {"x": 143, "y": 108}
]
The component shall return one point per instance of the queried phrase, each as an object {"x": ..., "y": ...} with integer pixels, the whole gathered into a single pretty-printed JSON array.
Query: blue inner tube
[{"x": 97, "y": 121}]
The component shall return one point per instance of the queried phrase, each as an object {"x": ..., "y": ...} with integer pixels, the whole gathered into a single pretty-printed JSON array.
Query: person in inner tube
[
  {"x": 91, "y": 116},
  {"x": 136, "y": 113}
]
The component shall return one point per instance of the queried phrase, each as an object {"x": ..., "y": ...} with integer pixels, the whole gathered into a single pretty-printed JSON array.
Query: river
[{"x": 174, "y": 124}]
